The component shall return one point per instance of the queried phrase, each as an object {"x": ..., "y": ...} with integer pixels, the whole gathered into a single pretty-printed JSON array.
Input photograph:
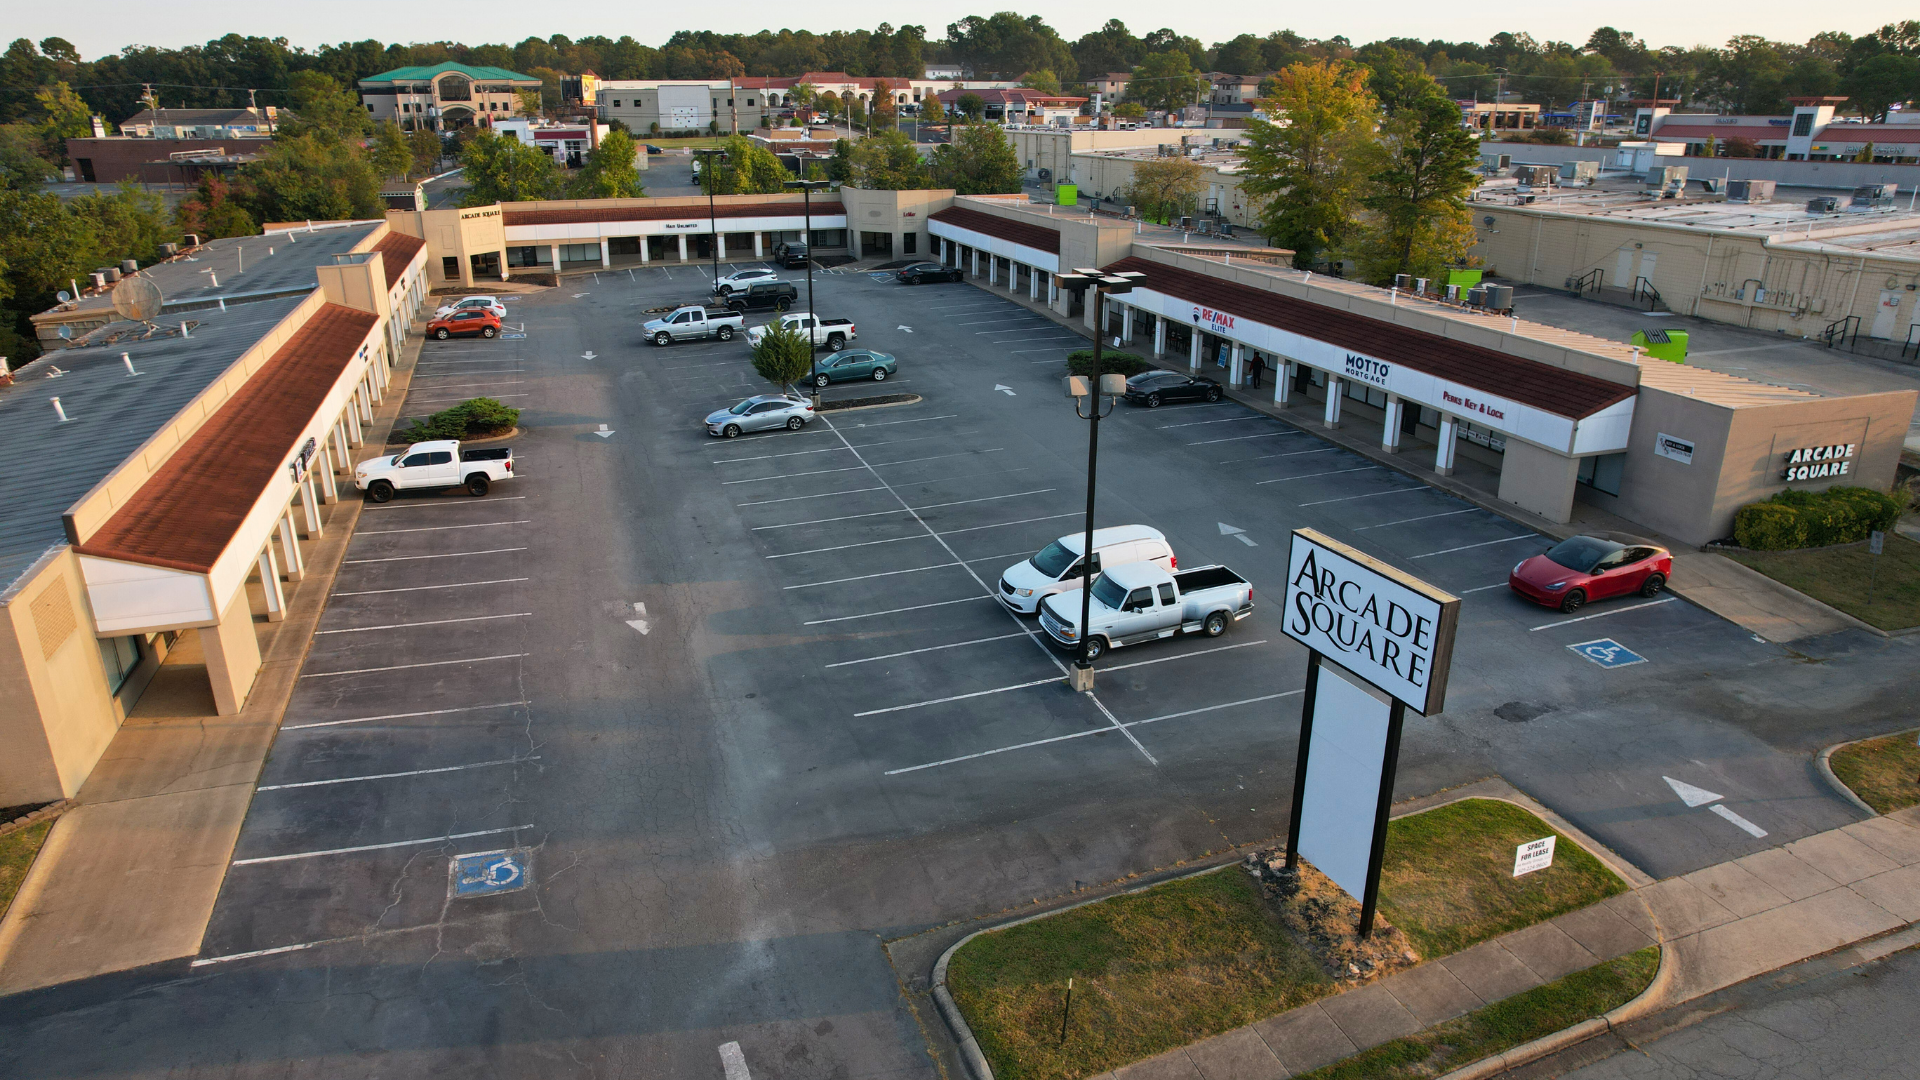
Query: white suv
[
  {"x": 1057, "y": 566},
  {"x": 470, "y": 303},
  {"x": 742, "y": 280}
]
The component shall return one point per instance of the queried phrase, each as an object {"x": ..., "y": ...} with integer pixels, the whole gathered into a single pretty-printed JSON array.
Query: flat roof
[
  {"x": 1037, "y": 237},
  {"x": 576, "y": 215}
]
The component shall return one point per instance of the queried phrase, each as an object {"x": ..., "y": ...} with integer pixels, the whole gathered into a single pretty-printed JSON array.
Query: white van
[{"x": 1057, "y": 567}]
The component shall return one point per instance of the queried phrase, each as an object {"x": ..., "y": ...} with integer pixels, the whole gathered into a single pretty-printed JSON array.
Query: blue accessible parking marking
[
  {"x": 523, "y": 335},
  {"x": 1608, "y": 653},
  {"x": 484, "y": 873}
]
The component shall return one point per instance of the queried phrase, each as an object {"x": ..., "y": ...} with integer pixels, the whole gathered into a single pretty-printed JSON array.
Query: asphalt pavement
[{"x": 644, "y": 754}]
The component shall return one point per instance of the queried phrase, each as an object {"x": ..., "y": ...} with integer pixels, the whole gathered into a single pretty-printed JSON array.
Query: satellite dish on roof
[
  {"x": 137, "y": 298},
  {"x": 64, "y": 295}
]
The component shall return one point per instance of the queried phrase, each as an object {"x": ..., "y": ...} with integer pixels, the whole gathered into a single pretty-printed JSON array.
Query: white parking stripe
[
  {"x": 975, "y": 311},
  {"x": 1004, "y": 524},
  {"x": 838, "y": 449},
  {"x": 962, "y": 697},
  {"x": 432, "y": 400},
  {"x": 1369, "y": 495},
  {"x": 999, "y": 322},
  {"x": 868, "y": 577},
  {"x": 846, "y": 547},
  {"x": 936, "y": 457},
  {"x": 461, "y": 502},
  {"x": 404, "y": 715},
  {"x": 824, "y": 521},
  {"x": 515, "y": 360},
  {"x": 406, "y": 667},
  {"x": 379, "y": 847},
  {"x": 470, "y": 374},
  {"x": 797, "y": 498},
  {"x": 894, "y": 611},
  {"x": 890, "y": 423},
  {"x": 1244, "y": 438},
  {"x": 460, "y": 386},
  {"x": 1483, "y": 588},
  {"x": 930, "y": 648},
  {"x": 444, "y": 555},
  {"x": 1228, "y": 420},
  {"x": 1603, "y": 614},
  {"x": 1423, "y": 517},
  {"x": 1186, "y": 656},
  {"x": 733, "y": 1062},
  {"x": 1290, "y": 453},
  {"x": 1311, "y": 475},
  {"x": 423, "y": 588},
  {"x": 444, "y": 528},
  {"x": 789, "y": 476},
  {"x": 433, "y": 622},
  {"x": 392, "y": 775},
  {"x": 1489, "y": 543}
]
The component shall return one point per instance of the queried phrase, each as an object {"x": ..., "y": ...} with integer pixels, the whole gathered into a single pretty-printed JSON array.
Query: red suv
[
  {"x": 465, "y": 324},
  {"x": 1584, "y": 568}
]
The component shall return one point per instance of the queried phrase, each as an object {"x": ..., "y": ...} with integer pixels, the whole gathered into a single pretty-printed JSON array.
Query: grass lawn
[
  {"x": 1502, "y": 1025},
  {"x": 1884, "y": 772},
  {"x": 1838, "y": 577},
  {"x": 1152, "y": 970},
  {"x": 1195, "y": 957},
  {"x": 1448, "y": 878},
  {"x": 17, "y": 850},
  {"x": 667, "y": 144}
]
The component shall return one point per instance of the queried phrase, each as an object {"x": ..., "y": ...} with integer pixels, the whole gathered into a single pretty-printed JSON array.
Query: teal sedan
[{"x": 849, "y": 364}]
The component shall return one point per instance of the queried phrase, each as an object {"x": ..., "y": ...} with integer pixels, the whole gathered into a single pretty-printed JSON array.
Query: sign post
[
  {"x": 1380, "y": 641},
  {"x": 1876, "y": 543}
]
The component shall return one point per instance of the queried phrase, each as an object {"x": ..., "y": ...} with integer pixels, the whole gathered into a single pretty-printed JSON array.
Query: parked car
[
  {"x": 1583, "y": 568},
  {"x": 693, "y": 323},
  {"x": 764, "y": 296},
  {"x": 792, "y": 256},
  {"x": 830, "y": 333},
  {"x": 1155, "y": 388},
  {"x": 850, "y": 364},
  {"x": 437, "y": 464},
  {"x": 1056, "y": 567},
  {"x": 762, "y": 412},
  {"x": 474, "y": 321},
  {"x": 739, "y": 280},
  {"x": 929, "y": 271},
  {"x": 652, "y": 149},
  {"x": 1143, "y": 602},
  {"x": 469, "y": 303}
]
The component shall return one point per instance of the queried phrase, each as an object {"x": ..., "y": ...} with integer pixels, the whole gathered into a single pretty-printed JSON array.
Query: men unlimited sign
[{"x": 1384, "y": 625}]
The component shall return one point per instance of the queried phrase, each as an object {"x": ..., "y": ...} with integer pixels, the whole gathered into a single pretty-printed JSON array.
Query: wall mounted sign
[
  {"x": 1368, "y": 370},
  {"x": 682, "y": 225},
  {"x": 1217, "y": 321},
  {"x": 299, "y": 464},
  {"x": 1674, "y": 449},
  {"x": 1818, "y": 462}
]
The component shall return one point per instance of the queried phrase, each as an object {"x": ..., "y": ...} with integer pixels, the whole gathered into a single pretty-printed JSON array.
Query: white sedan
[
  {"x": 741, "y": 280},
  {"x": 472, "y": 303}
]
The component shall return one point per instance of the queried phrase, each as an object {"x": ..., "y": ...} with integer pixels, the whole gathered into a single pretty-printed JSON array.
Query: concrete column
[
  {"x": 1193, "y": 352},
  {"x": 683, "y": 246},
  {"x": 290, "y": 546},
  {"x": 1336, "y": 389},
  {"x": 646, "y": 254},
  {"x": 352, "y": 417},
  {"x": 232, "y": 654},
  {"x": 554, "y": 253},
  {"x": 993, "y": 268},
  {"x": 328, "y": 492},
  {"x": 346, "y": 448},
  {"x": 1160, "y": 337},
  {"x": 720, "y": 244},
  {"x": 504, "y": 273},
  {"x": 1390, "y": 434},
  {"x": 976, "y": 262},
  {"x": 310, "y": 508},
  {"x": 270, "y": 585},
  {"x": 1237, "y": 364},
  {"x": 759, "y": 246},
  {"x": 1033, "y": 283},
  {"x": 606, "y": 256},
  {"x": 1282, "y": 381},
  {"x": 466, "y": 269},
  {"x": 1443, "y": 454},
  {"x": 1126, "y": 323}
]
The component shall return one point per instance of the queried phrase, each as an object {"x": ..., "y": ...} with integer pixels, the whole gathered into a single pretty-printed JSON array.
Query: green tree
[
  {"x": 886, "y": 111},
  {"x": 1165, "y": 80},
  {"x": 1131, "y": 110},
  {"x": 500, "y": 168},
  {"x": 1164, "y": 188},
  {"x": 63, "y": 116},
  {"x": 1043, "y": 80},
  {"x": 311, "y": 177},
  {"x": 47, "y": 245},
  {"x": 1241, "y": 56},
  {"x": 971, "y": 106},
  {"x": 609, "y": 171},
  {"x": 747, "y": 168},
  {"x": 783, "y": 357},
  {"x": 323, "y": 105},
  {"x": 389, "y": 153},
  {"x": 21, "y": 165},
  {"x": 427, "y": 149},
  {"x": 931, "y": 111},
  {"x": 128, "y": 223},
  {"x": 1420, "y": 173},
  {"x": 888, "y": 161},
  {"x": 1879, "y": 82},
  {"x": 1310, "y": 168},
  {"x": 211, "y": 212},
  {"x": 979, "y": 161},
  {"x": 840, "y": 165}
]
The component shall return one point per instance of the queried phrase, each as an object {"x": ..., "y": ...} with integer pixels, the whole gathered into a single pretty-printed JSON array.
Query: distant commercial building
[
  {"x": 567, "y": 143},
  {"x": 444, "y": 96},
  {"x": 748, "y": 102},
  {"x": 1493, "y": 117},
  {"x": 1017, "y": 105},
  {"x": 1226, "y": 89},
  {"x": 174, "y": 146},
  {"x": 1810, "y": 133}
]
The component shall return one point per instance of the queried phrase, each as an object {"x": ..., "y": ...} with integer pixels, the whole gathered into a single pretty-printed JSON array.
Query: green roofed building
[{"x": 444, "y": 96}]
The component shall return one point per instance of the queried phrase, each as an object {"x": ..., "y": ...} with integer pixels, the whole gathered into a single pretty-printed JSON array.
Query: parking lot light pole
[
  {"x": 1098, "y": 286},
  {"x": 807, "y": 188},
  {"x": 707, "y": 156}
]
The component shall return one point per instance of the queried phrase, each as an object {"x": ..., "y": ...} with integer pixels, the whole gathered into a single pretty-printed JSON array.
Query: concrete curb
[
  {"x": 1820, "y": 605},
  {"x": 914, "y": 400},
  {"x": 1822, "y": 763},
  {"x": 27, "y": 821}
]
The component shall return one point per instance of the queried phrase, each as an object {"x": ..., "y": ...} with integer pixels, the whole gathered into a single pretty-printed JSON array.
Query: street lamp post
[
  {"x": 1098, "y": 286},
  {"x": 807, "y": 188},
  {"x": 707, "y": 156}
]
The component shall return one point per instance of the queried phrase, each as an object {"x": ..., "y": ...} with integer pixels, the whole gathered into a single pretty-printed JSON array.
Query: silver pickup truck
[
  {"x": 694, "y": 323},
  {"x": 1142, "y": 602}
]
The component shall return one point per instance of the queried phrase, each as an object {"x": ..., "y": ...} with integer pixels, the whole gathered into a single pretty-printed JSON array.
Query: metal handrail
[
  {"x": 1586, "y": 281},
  {"x": 1913, "y": 341},
  {"x": 1844, "y": 329},
  {"x": 1643, "y": 289}
]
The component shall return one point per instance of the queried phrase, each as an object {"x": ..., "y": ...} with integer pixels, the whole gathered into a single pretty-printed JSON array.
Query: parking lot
[{"x": 714, "y": 717}]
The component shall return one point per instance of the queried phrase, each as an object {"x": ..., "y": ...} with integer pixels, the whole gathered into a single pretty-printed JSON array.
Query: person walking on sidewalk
[{"x": 1254, "y": 370}]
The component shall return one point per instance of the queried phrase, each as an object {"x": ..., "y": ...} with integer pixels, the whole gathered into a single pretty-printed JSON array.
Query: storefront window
[
  {"x": 1480, "y": 436},
  {"x": 1603, "y": 473},
  {"x": 120, "y": 656}
]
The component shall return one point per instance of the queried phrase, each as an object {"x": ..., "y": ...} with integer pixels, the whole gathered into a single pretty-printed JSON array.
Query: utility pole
[{"x": 733, "y": 105}]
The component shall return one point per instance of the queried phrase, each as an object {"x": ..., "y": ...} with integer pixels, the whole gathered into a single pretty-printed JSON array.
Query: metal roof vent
[{"x": 62, "y": 412}]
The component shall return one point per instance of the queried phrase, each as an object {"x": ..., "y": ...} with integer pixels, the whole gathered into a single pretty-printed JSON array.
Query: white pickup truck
[
  {"x": 1142, "y": 602},
  {"x": 693, "y": 323},
  {"x": 829, "y": 333},
  {"x": 439, "y": 464}
]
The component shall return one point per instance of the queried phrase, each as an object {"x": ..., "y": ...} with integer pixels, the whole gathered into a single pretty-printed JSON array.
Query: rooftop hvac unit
[
  {"x": 1453, "y": 293},
  {"x": 113, "y": 274},
  {"x": 1872, "y": 196},
  {"x": 129, "y": 266},
  {"x": 1750, "y": 191},
  {"x": 1477, "y": 296},
  {"x": 1667, "y": 176},
  {"x": 1499, "y": 297},
  {"x": 99, "y": 279},
  {"x": 1403, "y": 282},
  {"x": 169, "y": 250},
  {"x": 1537, "y": 175},
  {"x": 1824, "y": 204},
  {"x": 1580, "y": 170}
]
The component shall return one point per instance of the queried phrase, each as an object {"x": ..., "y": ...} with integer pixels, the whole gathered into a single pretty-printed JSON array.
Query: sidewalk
[{"x": 129, "y": 877}]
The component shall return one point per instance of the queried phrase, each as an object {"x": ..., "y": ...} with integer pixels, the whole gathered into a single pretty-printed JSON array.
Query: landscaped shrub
[
  {"x": 1080, "y": 362},
  {"x": 1801, "y": 519},
  {"x": 475, "y": 418}
]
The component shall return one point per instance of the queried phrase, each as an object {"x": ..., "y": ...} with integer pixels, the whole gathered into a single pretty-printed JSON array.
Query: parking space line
[
  {"x": 1290, "y": 453},
  {"x": 444, "y": 528},
  {"x": 1484, "y": 588},
  {"x": 1311, "y": 475},
  {"x": 434, "y": 363},
  {"x": 930, "y": 648},
  {"x": 894, "y": 611},
  {"x": 470, "y": 374},
  {"x": 770, "y": 457},
  {"x": 463, "y": 502},
  {"x": 991, "y": 558},
  {"x": 443, "y": 555},
  {"x": 824, "y": 521},
  {"x": 392, "y": 775},
  {"x": 797, "y": 498},
  {"x": 890, "y": 423},
  {"x": 378, "y": 847},
  {"x": 1488, "y": 543},
  {"x": 406, "y": 667},
  {"x": 847, "y": 547},
  {"x": 427, "y": 400},
  {"x": 1244, "y": 438},
  {"x": 1369, "y": 495},
  {"x": 961, "y": 697},
  {"x": 998, "y": 322},
  {"x": 1020, "y": 352},
  {"x": 1228, "y": 420},
  {"x": 977, "y": 311},
  {"x": 453, "y": 386},
  {"x": 305, "y": 945},
  {"x": 424, "y": 588},
  {"x": 869, "y": 577},
  {"x": 936, "y": 457},
  {"x": 404, "y": 715},
  {"x": 433, "y": 622},
  {"x": 1603, "y": 614},
  {"x": 1423, "y": 517},
  {"x": 1003, "y": 524},
  {"x": 790, "y": 476},
  {"x": 1186, "y": 656}
]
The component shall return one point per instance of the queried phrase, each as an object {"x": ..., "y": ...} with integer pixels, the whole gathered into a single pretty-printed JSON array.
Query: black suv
[
  {"x": 775, "y": 295},
  {"x": 792, "y": 256}
]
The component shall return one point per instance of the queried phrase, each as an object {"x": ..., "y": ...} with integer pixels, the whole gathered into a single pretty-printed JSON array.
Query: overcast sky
[{"x": 312, "y": 22}]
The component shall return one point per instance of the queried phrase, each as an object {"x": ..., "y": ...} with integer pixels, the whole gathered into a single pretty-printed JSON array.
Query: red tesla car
[{"x": 1585, "y": 568}]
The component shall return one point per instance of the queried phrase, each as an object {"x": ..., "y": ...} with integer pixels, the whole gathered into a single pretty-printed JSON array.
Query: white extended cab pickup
[
  {"x": 693, "y": 323},
  {"x": 1142, "y": 602},
  {"x": 439, "y": 464},
  {"x": 826, "y": 333}
]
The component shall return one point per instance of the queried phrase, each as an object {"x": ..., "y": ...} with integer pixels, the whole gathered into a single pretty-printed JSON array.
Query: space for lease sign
[{"x": 1381, "y": 623}]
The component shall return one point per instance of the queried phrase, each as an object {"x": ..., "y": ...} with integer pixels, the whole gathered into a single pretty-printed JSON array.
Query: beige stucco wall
[
  {"x": 1110, "y": 176},
  {"x": 1538, "y": 481},
  {"x": 58, "y": 716},
  {"x": 896, "y": 213}
]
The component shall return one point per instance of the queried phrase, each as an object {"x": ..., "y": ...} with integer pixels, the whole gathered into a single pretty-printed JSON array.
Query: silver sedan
[{"x": 761, "y": 412}]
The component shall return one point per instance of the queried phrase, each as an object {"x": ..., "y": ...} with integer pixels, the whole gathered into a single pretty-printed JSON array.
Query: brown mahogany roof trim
[
  {"x": 185, "y": 515},
  {"x": 1038, "y": 237},
  {"x": 396, "y": 251},
  {"x": 1529, "y": 382},
  {"x": 581, "y": 214}
]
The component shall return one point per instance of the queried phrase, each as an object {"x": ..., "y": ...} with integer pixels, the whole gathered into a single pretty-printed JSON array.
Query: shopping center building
[{"x": 168, "y": 475}]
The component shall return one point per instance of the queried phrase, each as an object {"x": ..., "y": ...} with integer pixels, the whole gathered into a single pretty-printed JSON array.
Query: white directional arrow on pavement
[
  {"x": 578, "y": 295},
  {"x": 605, "y": 432},
  {"x": 1007, "y": 390},
  {"x": 588, "y": 355},
  {"x": 641, "y": 623},
  {"x": 908, "y": 329},
  {"x": 1237, "y": 534},
  {"x": 1692, "y": 796}
]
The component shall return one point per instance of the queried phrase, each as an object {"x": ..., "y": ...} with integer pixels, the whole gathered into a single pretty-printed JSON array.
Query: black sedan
[
  {"x": 929, "y": 271},
  {"x": 1155, "y": 388}
]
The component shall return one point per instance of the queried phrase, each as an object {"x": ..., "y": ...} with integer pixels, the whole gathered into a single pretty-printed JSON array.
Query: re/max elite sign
[{"x": 1387, "y": 627}]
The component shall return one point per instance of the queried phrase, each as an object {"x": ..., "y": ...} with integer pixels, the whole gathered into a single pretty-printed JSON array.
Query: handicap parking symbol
[
  {"x": 1608, "y": 653},
  {"x": 513, "y": 335},
  {"x": 484, "y": 873}
]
